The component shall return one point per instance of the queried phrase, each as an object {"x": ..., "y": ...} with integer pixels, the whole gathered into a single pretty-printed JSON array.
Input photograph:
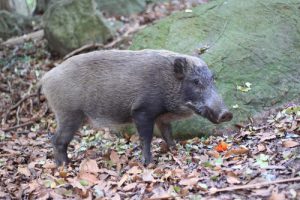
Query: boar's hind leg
[
  {"x": 166, "y": 132},
  {"x": 68, "y": 124},
  {"x": 144, "y": 125}
]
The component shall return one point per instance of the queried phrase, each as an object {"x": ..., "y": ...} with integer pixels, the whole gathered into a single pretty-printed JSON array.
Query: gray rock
[
  {"x": 121, "y": 7},
  {"x": 250, "y": 41},
  {"x": 70, "y": 24}
]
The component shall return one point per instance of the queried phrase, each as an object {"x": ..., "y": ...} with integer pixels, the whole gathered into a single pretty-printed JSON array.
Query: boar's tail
[{"x": 38, "y": 94}]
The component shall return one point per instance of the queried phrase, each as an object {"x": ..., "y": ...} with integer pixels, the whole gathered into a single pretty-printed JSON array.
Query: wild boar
[{"x": 119, "y": 86}]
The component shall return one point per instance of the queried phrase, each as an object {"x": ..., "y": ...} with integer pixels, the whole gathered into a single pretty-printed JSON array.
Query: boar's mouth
[{"x": 204, "y": 111}]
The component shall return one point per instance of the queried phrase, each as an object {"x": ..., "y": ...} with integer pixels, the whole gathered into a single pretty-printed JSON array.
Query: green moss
[{"x": 250, "y": 41}]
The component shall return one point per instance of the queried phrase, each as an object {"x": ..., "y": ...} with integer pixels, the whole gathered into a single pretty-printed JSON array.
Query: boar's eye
[
  {"x": 196, "y": 82},
  {"x": 214, "y": 77}
]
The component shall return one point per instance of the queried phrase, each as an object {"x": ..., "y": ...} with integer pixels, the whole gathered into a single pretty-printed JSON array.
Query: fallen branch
[
  {"x": 30, "y": 122},
  {"x": 37, "y": 35},
  {"x": 256, "y": 185},
  {"x": 107, "y": 46},
  {"x": 83, "y": 48}
]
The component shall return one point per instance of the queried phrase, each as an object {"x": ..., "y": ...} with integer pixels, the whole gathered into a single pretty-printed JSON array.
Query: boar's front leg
[{"x": 144, "y": 124}]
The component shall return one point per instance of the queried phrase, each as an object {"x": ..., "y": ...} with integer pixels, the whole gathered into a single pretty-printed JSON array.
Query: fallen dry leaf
[
  {"x": 236, "y": 151},
  {"x": 114, "y": 157},
  {"x": 123, "y": 179},
  {"x": 147, "y": 176},
  {"x": 160, "y": 193},
  {"x": 232, "y": 178},
  {"x": 134, "y": 170},
  {"x": 290, "y": 143},
  {"x": 49, "y": 165},
  {"x": 24, "y": 170},
  {"x": 267, "y": 136},
  {"x": 130, "y": 187},
  {"x": 277, "y": 196},
  {"x": 189, "y": 181},
  {"x": 214, "y": 154},
  {"x": 89, "y": 165},
  {"x": 91, "y": 178},
  {"x": 261, "y": 147}
]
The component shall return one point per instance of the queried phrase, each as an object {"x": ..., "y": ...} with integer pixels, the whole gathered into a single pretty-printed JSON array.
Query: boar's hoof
[
  {"x": 60, "y": 156},
  {"x": 147, "y": 160},
  {"x": 61, "y": 159}
]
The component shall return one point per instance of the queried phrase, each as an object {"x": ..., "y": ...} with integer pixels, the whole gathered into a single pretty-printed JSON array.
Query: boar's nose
[{"x": 225, "y": 116}]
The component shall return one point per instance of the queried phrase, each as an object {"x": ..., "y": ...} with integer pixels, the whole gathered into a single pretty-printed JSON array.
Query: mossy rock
[
  {"x": 249, "y": 41},
  {"x": 121, "y": 7},
  {"x": 71, "y": 24}
]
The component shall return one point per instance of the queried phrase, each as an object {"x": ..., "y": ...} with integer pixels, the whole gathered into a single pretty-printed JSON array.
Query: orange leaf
[{"x": 222, "y": 146}]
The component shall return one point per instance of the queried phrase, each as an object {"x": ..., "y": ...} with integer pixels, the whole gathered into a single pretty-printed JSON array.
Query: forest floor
[{"x": 259, "y": 161}]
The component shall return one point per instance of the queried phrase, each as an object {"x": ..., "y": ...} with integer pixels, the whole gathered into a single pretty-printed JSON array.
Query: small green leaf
[
  {"x": 218, "y": 161},
  {"x": 84, "y": 182},
  {"x": 208, "y": 164},
  {"x": 176, "y": 189},
  {"x": 262, "y": 160},
  {"x": 214, "y": 178}
]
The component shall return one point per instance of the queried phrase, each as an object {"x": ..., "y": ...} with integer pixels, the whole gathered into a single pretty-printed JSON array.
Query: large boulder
[
  {"x": 69, "y": 24},
  {"x": 249, "y": 41},
  {"x": 121, "y": 7}
]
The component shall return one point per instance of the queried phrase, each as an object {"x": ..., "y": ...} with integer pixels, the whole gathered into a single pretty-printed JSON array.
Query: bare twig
[
  {"x": 107, "y": 46},
  {"x": 31, "y": 106},
  {"x": 17, "y": 105},
  {"x": 19, "y": 126},
  {"x": 83, "y": 48},
  {"x": 30, "y": 122},
  {"x": 256, "y": 185},
  {"x": 17, "y": 115}
]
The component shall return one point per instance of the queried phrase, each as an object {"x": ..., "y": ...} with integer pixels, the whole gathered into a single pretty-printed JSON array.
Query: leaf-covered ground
[
  {"x": 259, "y": 161},
  {"x": 107, "y": 167}
]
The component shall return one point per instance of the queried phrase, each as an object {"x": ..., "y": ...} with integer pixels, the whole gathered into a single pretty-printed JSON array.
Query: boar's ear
[{"x": 180, "y": 65}]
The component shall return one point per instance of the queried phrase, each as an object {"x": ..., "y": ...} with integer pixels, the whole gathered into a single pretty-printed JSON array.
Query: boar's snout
[
  {"x": 224, "y": 116},
  {"x": 216, "y": 116},
  {"x": 211, "y": 113}
]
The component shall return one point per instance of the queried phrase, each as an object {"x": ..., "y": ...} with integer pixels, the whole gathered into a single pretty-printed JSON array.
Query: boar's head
[{"x": 198, "y": 90}]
